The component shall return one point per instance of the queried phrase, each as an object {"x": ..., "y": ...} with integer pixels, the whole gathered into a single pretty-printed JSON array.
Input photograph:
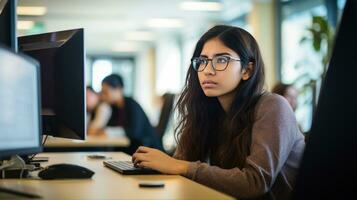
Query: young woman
[{"x": 233, "y": 136}]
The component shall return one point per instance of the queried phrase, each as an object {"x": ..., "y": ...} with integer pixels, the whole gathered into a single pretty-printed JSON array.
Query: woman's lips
[{"x": 209, "y": 84}]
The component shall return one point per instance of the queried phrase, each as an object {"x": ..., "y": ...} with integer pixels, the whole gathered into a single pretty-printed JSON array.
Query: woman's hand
[{"x": 157, "y": 160}]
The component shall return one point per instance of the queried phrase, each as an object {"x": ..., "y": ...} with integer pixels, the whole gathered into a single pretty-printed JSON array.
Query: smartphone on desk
[
  {"x": 151, "y": 184},
  {"x": 98, "y": 156}
]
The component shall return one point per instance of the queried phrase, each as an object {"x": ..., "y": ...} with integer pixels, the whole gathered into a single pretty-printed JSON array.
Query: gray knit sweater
[{"x": 276, "y": 149}]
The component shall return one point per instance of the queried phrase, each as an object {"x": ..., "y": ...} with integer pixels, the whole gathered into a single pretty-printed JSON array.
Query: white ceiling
[{"x": 107, "y": 23}]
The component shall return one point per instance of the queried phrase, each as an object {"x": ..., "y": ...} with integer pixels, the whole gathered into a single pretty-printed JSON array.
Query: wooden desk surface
[
  {"x": 91, "y": 141},
  {"x": 108, "y": 184}
]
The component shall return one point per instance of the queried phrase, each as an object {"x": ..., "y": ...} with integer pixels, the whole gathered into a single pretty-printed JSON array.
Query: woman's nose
[{"x": 209, "y": 69}]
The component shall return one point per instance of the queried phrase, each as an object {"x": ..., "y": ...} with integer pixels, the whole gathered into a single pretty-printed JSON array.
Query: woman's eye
[
  {"x": 222, "y": 60},
  {"x": 203, "y": 61}
]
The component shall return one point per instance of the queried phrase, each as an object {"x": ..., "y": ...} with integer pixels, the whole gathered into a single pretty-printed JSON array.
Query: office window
[
  {"x": 242, "y": 22},
  {"x": 299, "y": 57},
  {"x": 168, "y": 65},
  {"x": 340, "y": 5},
  {"x": 125, "y": 68},
  {"x": 300, "y": 63},
  {"x": 88, "y": 71},
  {"x": 188, "y": 46},
  {"x": 99, "y": 68}
]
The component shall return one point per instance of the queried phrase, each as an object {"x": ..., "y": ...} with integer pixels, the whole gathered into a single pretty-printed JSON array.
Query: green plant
[{"x": 320, "y": 36}]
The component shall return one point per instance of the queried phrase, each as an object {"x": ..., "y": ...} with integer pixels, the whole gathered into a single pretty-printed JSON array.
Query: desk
[
  {"x": 92, "y": 143},
  {"x": 108, "y": 184}
]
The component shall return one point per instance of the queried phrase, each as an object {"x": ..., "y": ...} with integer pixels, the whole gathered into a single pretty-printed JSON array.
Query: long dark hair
[{"x": 204, "y": 129}]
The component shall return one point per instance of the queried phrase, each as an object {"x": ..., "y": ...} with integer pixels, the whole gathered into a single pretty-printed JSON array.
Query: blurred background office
[{"x": 150, "y": 43}]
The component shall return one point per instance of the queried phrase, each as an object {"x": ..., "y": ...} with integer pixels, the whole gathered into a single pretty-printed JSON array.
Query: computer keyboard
[{"x": 128, "y": 168}]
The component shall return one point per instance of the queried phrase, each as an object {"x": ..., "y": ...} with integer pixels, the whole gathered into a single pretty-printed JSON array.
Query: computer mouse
[{"x": 65, "y": 171}]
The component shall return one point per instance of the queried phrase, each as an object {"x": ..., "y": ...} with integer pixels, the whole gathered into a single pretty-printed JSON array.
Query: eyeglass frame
[{"x": 213, "y": 65}]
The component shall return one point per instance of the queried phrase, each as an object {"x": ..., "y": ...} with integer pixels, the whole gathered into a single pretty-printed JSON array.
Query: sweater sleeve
[{"x": 273, "y": 135}]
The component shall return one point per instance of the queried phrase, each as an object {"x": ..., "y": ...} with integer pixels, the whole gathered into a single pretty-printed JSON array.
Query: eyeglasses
[{"x": 219, "y": 63}]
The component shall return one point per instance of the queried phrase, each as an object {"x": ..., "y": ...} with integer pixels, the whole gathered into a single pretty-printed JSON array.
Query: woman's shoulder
[
  {"x": 270, "y": 102},
  {"x": 268, "y": 97}
]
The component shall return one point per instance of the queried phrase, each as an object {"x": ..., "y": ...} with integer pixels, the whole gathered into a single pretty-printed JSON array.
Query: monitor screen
[
  {"x": 8, "y": 23},
  {"x": 62, "y": 58},
  {"x": 20, "y": 103}
]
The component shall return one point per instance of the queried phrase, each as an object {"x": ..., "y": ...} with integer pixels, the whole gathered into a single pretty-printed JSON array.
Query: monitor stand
[{"x": 34, "y": 160}]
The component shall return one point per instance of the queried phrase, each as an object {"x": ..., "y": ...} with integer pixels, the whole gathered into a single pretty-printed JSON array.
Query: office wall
[
  {"x": 168, "y": 65},
  {"x": 262, "y": 21},
  {"x": 144, "y": 84}
]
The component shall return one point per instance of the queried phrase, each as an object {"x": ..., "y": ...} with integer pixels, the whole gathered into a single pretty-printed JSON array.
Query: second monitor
[
  {"x": 62, "y": 59},
  {"x": 8, "y": 23}
]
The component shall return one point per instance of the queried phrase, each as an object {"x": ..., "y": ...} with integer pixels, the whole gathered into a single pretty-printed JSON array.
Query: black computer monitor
[
  {"x": 8, "y": 18},
  {"x": 62, "y": 58},
  {"x": 20, "y": 121},
  {"x": 328, "y": 168}
]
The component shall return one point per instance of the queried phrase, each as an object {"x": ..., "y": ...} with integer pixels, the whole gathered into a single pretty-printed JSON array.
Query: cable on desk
[{"x": 43, "y": 143}]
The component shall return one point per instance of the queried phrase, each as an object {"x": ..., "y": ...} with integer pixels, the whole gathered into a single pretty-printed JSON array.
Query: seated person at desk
[
  {"x": 233, "y": 135},
  {"x": 289, "y": 92},
  {"x": 98, "y": 113},
  {"x": 127, "y": 113}
]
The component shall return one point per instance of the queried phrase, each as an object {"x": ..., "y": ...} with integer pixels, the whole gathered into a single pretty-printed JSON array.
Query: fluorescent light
[
  {"x": 125, "y": 47},
  {"x": 165, "y": 23},
  {"x": 139, "y": 36},
  {"x": 201, "y": 6},
  {"x": 31, "y": 10},
  {"x": 25, "y": 25}
]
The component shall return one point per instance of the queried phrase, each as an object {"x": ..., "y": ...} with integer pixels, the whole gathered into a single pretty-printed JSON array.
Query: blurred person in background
[
  {"x": 289, "y": 92},
  {"x": 98, "y": 112},
  {"x": 127, "y": 113}
]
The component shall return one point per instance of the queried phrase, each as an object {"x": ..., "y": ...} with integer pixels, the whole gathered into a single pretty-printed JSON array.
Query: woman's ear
[{"x": 248, "y": 71}]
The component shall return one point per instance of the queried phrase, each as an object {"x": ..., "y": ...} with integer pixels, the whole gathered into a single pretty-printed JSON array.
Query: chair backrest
[{"x": 166, "y": 111}]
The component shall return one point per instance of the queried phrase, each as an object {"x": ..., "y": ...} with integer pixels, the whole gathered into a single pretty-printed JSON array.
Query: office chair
[{"x": 166, "y": 111}]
